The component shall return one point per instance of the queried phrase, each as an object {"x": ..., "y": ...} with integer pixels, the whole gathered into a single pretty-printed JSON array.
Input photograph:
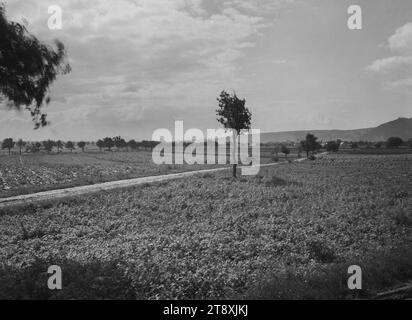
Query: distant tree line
[
  {"x": 309, "y": 145},
  {"x": 120, "y": 144},
  {"x": 50, "y": 145}
]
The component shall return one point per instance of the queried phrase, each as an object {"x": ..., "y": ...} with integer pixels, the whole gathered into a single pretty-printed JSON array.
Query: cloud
[
  {"x": 402, "y": 84},
  {"x": 397, "y": 69},
  {"x": 125, "y": 54},
  {"x": 388, "y": 64},
  {"x": 129, "y": 56},
  {"x": 401, "y": 40}
]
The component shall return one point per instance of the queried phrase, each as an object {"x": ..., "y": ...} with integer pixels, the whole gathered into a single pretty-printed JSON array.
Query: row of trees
[
  {"x": 47, "y": 145},
  {"x": 311, "y": 144},
  {"x": 118, "y": 142},
  {"x": 391, "y": 142}
]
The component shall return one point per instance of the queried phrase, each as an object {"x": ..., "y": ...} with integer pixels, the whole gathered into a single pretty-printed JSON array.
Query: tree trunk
[{"x": 234, "y": 153}]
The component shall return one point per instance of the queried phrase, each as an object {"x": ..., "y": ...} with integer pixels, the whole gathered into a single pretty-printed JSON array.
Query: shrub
[{"x": 393, "y": 142}]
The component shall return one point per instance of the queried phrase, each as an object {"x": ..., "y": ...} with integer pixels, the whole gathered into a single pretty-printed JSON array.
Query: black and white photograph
[{"x": 205, "y": 154}]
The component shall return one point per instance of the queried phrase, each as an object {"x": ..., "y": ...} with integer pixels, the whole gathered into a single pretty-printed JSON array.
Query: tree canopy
[
  {"x": 234, "y": 115},
  {"x": 310, "y": 144},
  {"x": 232, "y": 112},
  {"x": 27, "y": 68},
  {"x": 393, "y": 142}
]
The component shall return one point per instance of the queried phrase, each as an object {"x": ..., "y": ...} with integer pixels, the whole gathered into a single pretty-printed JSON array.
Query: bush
[{"x": 393, "y": 142}]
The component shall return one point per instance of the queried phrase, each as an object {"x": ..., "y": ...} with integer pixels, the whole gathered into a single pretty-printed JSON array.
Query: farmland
[
  {"x": 36, "y": 172},
  {"x": 212, "y": 236},
  {"x": 30, "y": 173}
]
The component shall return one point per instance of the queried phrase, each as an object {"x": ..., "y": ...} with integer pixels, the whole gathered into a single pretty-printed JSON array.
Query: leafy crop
[{"x": 211, "y": 236}]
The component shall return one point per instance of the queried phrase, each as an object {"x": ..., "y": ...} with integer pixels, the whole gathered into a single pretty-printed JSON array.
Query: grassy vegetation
[
  {"x": 376, "y": 151},
  {"x": 268, "y": 236},
  {"x": 38, "y": 172},
  {"x": 31, "y": 173}
]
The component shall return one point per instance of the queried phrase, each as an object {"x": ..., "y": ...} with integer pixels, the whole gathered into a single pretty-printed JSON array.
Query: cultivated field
[
  {"x": 30, "y": 173},
  {"x": 289, "y": 232}
]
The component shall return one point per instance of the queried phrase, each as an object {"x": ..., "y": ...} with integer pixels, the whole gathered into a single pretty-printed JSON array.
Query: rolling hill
[{"x": 401, "y": 127}]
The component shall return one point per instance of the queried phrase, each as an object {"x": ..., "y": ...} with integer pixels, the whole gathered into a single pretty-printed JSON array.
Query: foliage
[
  {"x": 214, "y": 237},
  {"x": 7, "y": 143},
  {"x": 39, "y": 172},
  {"x": 132, "y": 144},
  {"x": 48, "y": 145},
  {"x": 285, "y": 150},
  {"x": 332, "y": 146},
  {"x": 59, "y": 145},
  {"x": 100, "y": 144},
  {"x": 27, "y": 67},
  {"x": 81, "y": 145},
  {"x": 108, "y": 143},
  {"x": 393, "y": 142},
  {"x": 310, "y": 144},
  {"x": 119, "y": 142},
  {"x": 70, "y": 145},
  {"x": 233, "y": 114}
]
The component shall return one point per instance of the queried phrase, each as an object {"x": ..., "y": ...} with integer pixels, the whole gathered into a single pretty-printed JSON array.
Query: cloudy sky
[{"x": 138, "y": 65}]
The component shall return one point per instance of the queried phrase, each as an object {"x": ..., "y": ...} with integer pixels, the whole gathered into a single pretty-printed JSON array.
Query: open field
[
  {"x": 31, "y": 173},
  {"x": 212, "y": 236},
  {"x": 376, "y": 151},
  {"x": 38, "y": 172}
]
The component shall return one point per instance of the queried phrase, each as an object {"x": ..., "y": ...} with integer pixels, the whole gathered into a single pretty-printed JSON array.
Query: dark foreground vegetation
[{"x": 289, "y": 232}]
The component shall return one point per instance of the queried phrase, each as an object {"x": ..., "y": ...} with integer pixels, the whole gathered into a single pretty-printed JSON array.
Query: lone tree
[
  {"x": 8, "y": 143},
  {"x": 285, "y": 150},
  {"x": 27, "y": 68},
  {"x": 310, "y": 144},
  {"x": 81, "y": 145},
  {"x": 393, "y": 142},
  {"x": 70, "y": 145},
  {"x": 234, "y": 116},
  {"x": 20, "y": 143}
]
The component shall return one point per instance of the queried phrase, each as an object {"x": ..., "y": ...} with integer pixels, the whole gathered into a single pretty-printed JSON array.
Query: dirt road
[{"x": 106, "y": 186}]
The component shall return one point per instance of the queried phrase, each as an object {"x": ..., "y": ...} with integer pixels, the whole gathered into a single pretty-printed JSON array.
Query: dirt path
[{"x": 106, "y": 186}]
